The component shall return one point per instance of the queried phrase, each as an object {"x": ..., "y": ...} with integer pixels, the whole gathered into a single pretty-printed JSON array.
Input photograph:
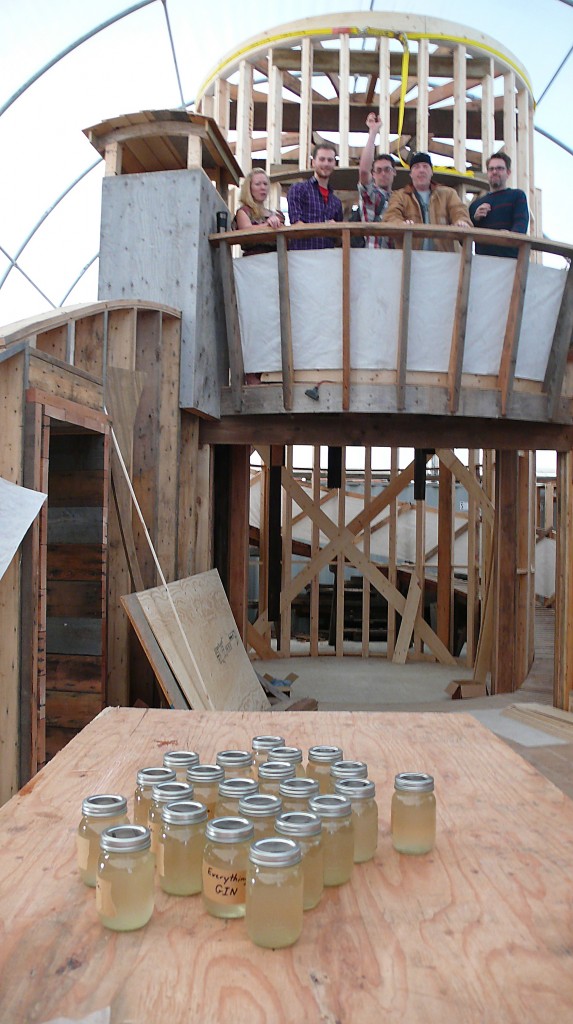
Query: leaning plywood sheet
[{"x": 209, "y": 662}]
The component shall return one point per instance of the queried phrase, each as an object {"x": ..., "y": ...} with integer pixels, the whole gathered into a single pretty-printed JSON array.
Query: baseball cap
[{"x": 421, "y": 158}]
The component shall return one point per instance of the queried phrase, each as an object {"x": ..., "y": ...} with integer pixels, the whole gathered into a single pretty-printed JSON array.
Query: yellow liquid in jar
[
  {"x": 270, "y": 786},
  {"x": 141, "y": 805},
  {"x": 87, "y": 844},
  {"x": 321, "y": 774},
  {"x": 180, "y": 857},
  {"x": 207, "y": 795},
  {"x": 312, "y": 871},
  {"x": 365, "y": 822},
  {"x": 274, "y": 905},
  {"x": 224, "y": 877},
  {"x": 264, "y": 827},
  {"x": 338, "y": 850},
  {"x": 413, "y": 822},
  {"x": 124, "y": 889}
]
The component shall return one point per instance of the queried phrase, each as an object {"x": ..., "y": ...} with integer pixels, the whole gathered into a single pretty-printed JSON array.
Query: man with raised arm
[
  {"x": 375, "y": 179},
  {"x": 313, "y": 201},
  {"x": 502, "y": 209},
  {"x": 423, "y": 201}
]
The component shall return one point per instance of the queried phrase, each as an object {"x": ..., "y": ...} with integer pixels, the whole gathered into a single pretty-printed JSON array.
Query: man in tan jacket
[{"x": 425, "y": 202}]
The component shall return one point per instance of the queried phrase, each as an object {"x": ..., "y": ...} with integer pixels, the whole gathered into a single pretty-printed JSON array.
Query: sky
[{"x": 129, "y": 67}]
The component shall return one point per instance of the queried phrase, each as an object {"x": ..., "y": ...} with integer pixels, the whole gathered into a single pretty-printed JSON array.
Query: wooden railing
[{"x": 547, "y": 405}]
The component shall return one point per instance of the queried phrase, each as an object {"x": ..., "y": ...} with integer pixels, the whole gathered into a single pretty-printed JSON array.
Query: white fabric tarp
[
  {"x": 315, "y": 283},
  {"x": 19, "y": 506}
]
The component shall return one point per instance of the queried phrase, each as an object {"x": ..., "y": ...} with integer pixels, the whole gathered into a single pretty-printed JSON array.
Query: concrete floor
[{"x": 374, "y": 684}]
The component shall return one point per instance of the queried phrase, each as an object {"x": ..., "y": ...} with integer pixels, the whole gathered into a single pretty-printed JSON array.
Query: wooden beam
[
  {"x": 344, "y": 99},
  {"x": 560, "y": 347},
  {"x": 505, "y": 573},
  {"x": 459, "y": 328},
  {"x": 563, "y": 677},
  {"x": 444, "y": 623},
  {"x": 305, "y": 112},
  {"x": 239, "y": 486},
  {"x": 346, "y": 321},
  {"x": 402, "y": 349},
  {"x": 287, "y": 359},
  {"x": 409, "y": 615},
  {"x": 233, "y": 326},
  {"x": 513, "y": 327}
]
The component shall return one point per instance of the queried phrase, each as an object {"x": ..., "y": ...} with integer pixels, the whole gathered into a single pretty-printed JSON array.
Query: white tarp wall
[{"x": 315, "y": 281}]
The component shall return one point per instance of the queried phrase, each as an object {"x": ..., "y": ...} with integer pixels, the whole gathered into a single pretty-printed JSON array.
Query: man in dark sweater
[{"x": 502, "y": 209}]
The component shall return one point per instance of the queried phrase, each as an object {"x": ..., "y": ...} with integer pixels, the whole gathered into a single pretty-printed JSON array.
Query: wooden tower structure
[{"x": 150, "y": 382}]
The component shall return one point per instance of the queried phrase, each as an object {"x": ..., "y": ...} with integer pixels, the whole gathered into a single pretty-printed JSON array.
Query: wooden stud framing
[
  {"x": 384, "y": 95},
  {"x": 239, "y": 487},
  {"x": 444, "y": 624},
  {"x": 402, "y": 350},
  {"x": 285, "y": 323},
  {"x": 487, "y": 115},
  {"x": 366, "y": 550},
  {"x": 513, "y": 328},
  {"x": 422, "y": 97},
  {"x": 344, "y": 100},
  {"x": 459, "y": 328},
  {"x": 460, "y": 87},
  {"x": 346, "y": 321},
  {"x": 237, "y": 370},
  {"x": 305, "y": 128},
  {"x": 560, "y": 346},
  {"x": 505, "y": 573},
  {"x": 509, "y": 119},
  {"x": 245, "y": 116},
  {"x": 524, "y": 129},
  {"x": 563, "y": 680},
  {"x": 221, "y": 106}
]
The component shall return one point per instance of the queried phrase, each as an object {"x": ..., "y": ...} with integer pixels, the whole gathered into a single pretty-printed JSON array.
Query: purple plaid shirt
[{"x": 305, "y": 203}]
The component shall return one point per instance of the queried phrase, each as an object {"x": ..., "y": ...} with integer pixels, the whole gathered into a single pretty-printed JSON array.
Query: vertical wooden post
[
  {"x": 392, "y": 567},
  {"x": 487, "y": 115},
  {"x": 315, "y": 545},
  {"x": 245, "y": 116},
  {"x": 346, "y": 321},
  {"x": 444, "y": 621},
  {"x": 460, "y": 129},
  {"x": 524, "y": 129},
  {"x": 305, "y": 129},
  {"x": 422, "y": 103},
  {"x": 274, "y": 557},
  {"x": 286, "y": 569},
  {"x": 504, "y": 573},
  {"x": 239, "y": 488},
  {"x": 472, "y": 610},
  {"x": 563, "y": 678},
  {"x": 384, "y": 95},
  {"x": 509, "y": 120},
  {"x": 344, "y": 99},
  {"x": 340, "y": 560},
  {"x": 366, "y": 550}
]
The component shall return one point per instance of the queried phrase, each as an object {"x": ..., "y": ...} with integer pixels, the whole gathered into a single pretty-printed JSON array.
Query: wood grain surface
[{"x": 480, "y": 930}]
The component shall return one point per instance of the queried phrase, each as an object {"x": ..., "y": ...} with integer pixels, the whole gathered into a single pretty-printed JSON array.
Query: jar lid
[
  {"x": 125, "y": 839},
  {"x": 180, "y": 759},
  {"x": 260, "y": 805},
  {"x": 103, "y": 805},
  {"x": 301, "y": 789},
  {"x": 234, "y": 758},
  {"x": 267, "y": 742},
  {"x": 167, "y": 792},
  {"x": 325, "y": 754},
  {"x": 205, "y": 773},
  {"x": 355, "y": 789},
  {"x": 330, "y": 805},
  {"x": 229, "y": 830},
  {"x": 184, "y": 812},
  {"x": 414, "y": 782},
  {"x": 298, "y": 823},
  {"x": 291, "y": 754},
  {"x": 279, "y": 853},
  {"x": 276, "y": 770},
  {"x": 237, "y": 788},
  {"x": 147, "y": 777},
  {"x": 349, "y": 770}
]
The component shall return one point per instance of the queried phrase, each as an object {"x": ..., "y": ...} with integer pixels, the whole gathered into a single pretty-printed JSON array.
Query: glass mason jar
[
  {"x": 180, "y": 847},
  {"x": 413, "y": 815},
  {"x": 261, "y": 809},
  {"x": 180, "y": 761},
  {"x": 237, "y": 764},
  {"x": 361, "y": 793},
  {"x": 164, "y": 793},
  {"x": 335, "y": 812},
  {"x": 295, "y": 793},
  {"x": 347, "y": 770},
  {"x": 320, "y": 758},
  {"x": 205, "y": 779},
  {"x": 230, "y": 792},
  {"x": 272, "y": 773},
  {"x": 125, "y": 875},
  {"x": 274, "y": 893},
  {"x": 102, "y": 810},
  {"x": 147, "y": 778},
  {"x": 262, "y": 745},
  {"x": 225, "y": 858},
  {"x": 306, "y": 828},
  {"x": 291, "y": 754}
]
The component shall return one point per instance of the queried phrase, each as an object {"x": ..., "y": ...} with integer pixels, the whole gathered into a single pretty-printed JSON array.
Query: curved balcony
[{"x": 399, "y": 331}]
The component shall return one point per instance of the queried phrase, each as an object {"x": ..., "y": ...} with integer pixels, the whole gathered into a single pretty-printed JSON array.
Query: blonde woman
[{"x": 253, "y": 214}]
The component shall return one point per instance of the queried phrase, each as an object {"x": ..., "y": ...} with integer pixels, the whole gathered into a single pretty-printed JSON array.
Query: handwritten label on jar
[
  {"x": 222, "y": 886},
  {"x": 104, "y": 900}
]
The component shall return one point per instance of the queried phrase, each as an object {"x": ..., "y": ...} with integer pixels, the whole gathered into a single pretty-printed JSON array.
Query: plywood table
[{"x": 480, "y": 930}]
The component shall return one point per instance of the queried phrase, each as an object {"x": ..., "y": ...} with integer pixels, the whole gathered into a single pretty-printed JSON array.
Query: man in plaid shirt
[
  {"x": 313, "y": 201},
  {"x": 375, "y": 179}
]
